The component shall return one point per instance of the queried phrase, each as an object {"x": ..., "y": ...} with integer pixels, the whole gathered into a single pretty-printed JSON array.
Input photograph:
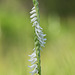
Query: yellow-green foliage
[{"x": 16, "y": 42}]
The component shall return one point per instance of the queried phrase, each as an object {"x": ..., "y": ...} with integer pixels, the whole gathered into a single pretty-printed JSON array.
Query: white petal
[
  {"x": 33, "y": 8},
  {"x": 38, "y": 26},
  {"x": 37, "y": 30},
  {"x": 42, "y": 45},
  {"x": 35, "y": 59},
  {"x": 33, "y": 49},
  {"x": 43, "y": 34},
  {"x": 34, "y": 19},
  {"x": 35, "y": 23},
  {"x": 34, "y": 71},
  {"x": 33, "y": 15},
  {"x": 42, "y": 42},
  {"x": 38, "y": 35},
  {"x": 31, "y": 60},
  {"x": 33, "y": 54},
  {"x": 33, "y": 66},
  {"x": 33, "y": 11},
  {"x": 45, "y": 39}
]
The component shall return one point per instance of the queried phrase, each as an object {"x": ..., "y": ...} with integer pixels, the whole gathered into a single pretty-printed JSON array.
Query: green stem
[{"x": 37, "y": 47}]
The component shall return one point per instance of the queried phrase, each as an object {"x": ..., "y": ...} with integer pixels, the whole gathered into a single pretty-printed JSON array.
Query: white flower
[
  {"x": 33, "y": 54},
  {"x": 33, "y": 15},
  {"x": 34, "y": 19},
  {"x": 33, "y": 66},
  {"x": 33, "y": 8},
  {"x": 32, "y": 11},
  {"x": 33, "y": 61},
  {"x": 34, "y": 71}
]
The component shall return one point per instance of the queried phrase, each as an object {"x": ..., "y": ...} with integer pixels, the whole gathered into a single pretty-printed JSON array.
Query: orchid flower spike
[{"x": 39, "y": 40}]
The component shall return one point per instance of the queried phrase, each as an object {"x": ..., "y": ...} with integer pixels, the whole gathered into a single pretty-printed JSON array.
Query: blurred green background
[{"x": 57, "y": 19}]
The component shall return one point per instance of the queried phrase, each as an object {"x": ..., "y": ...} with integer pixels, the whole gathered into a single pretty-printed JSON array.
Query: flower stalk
[{"x": 38, "y": 38}]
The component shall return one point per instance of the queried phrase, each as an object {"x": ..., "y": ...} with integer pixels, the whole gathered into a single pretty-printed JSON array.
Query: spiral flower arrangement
[{"x": 39, "y": 40}]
